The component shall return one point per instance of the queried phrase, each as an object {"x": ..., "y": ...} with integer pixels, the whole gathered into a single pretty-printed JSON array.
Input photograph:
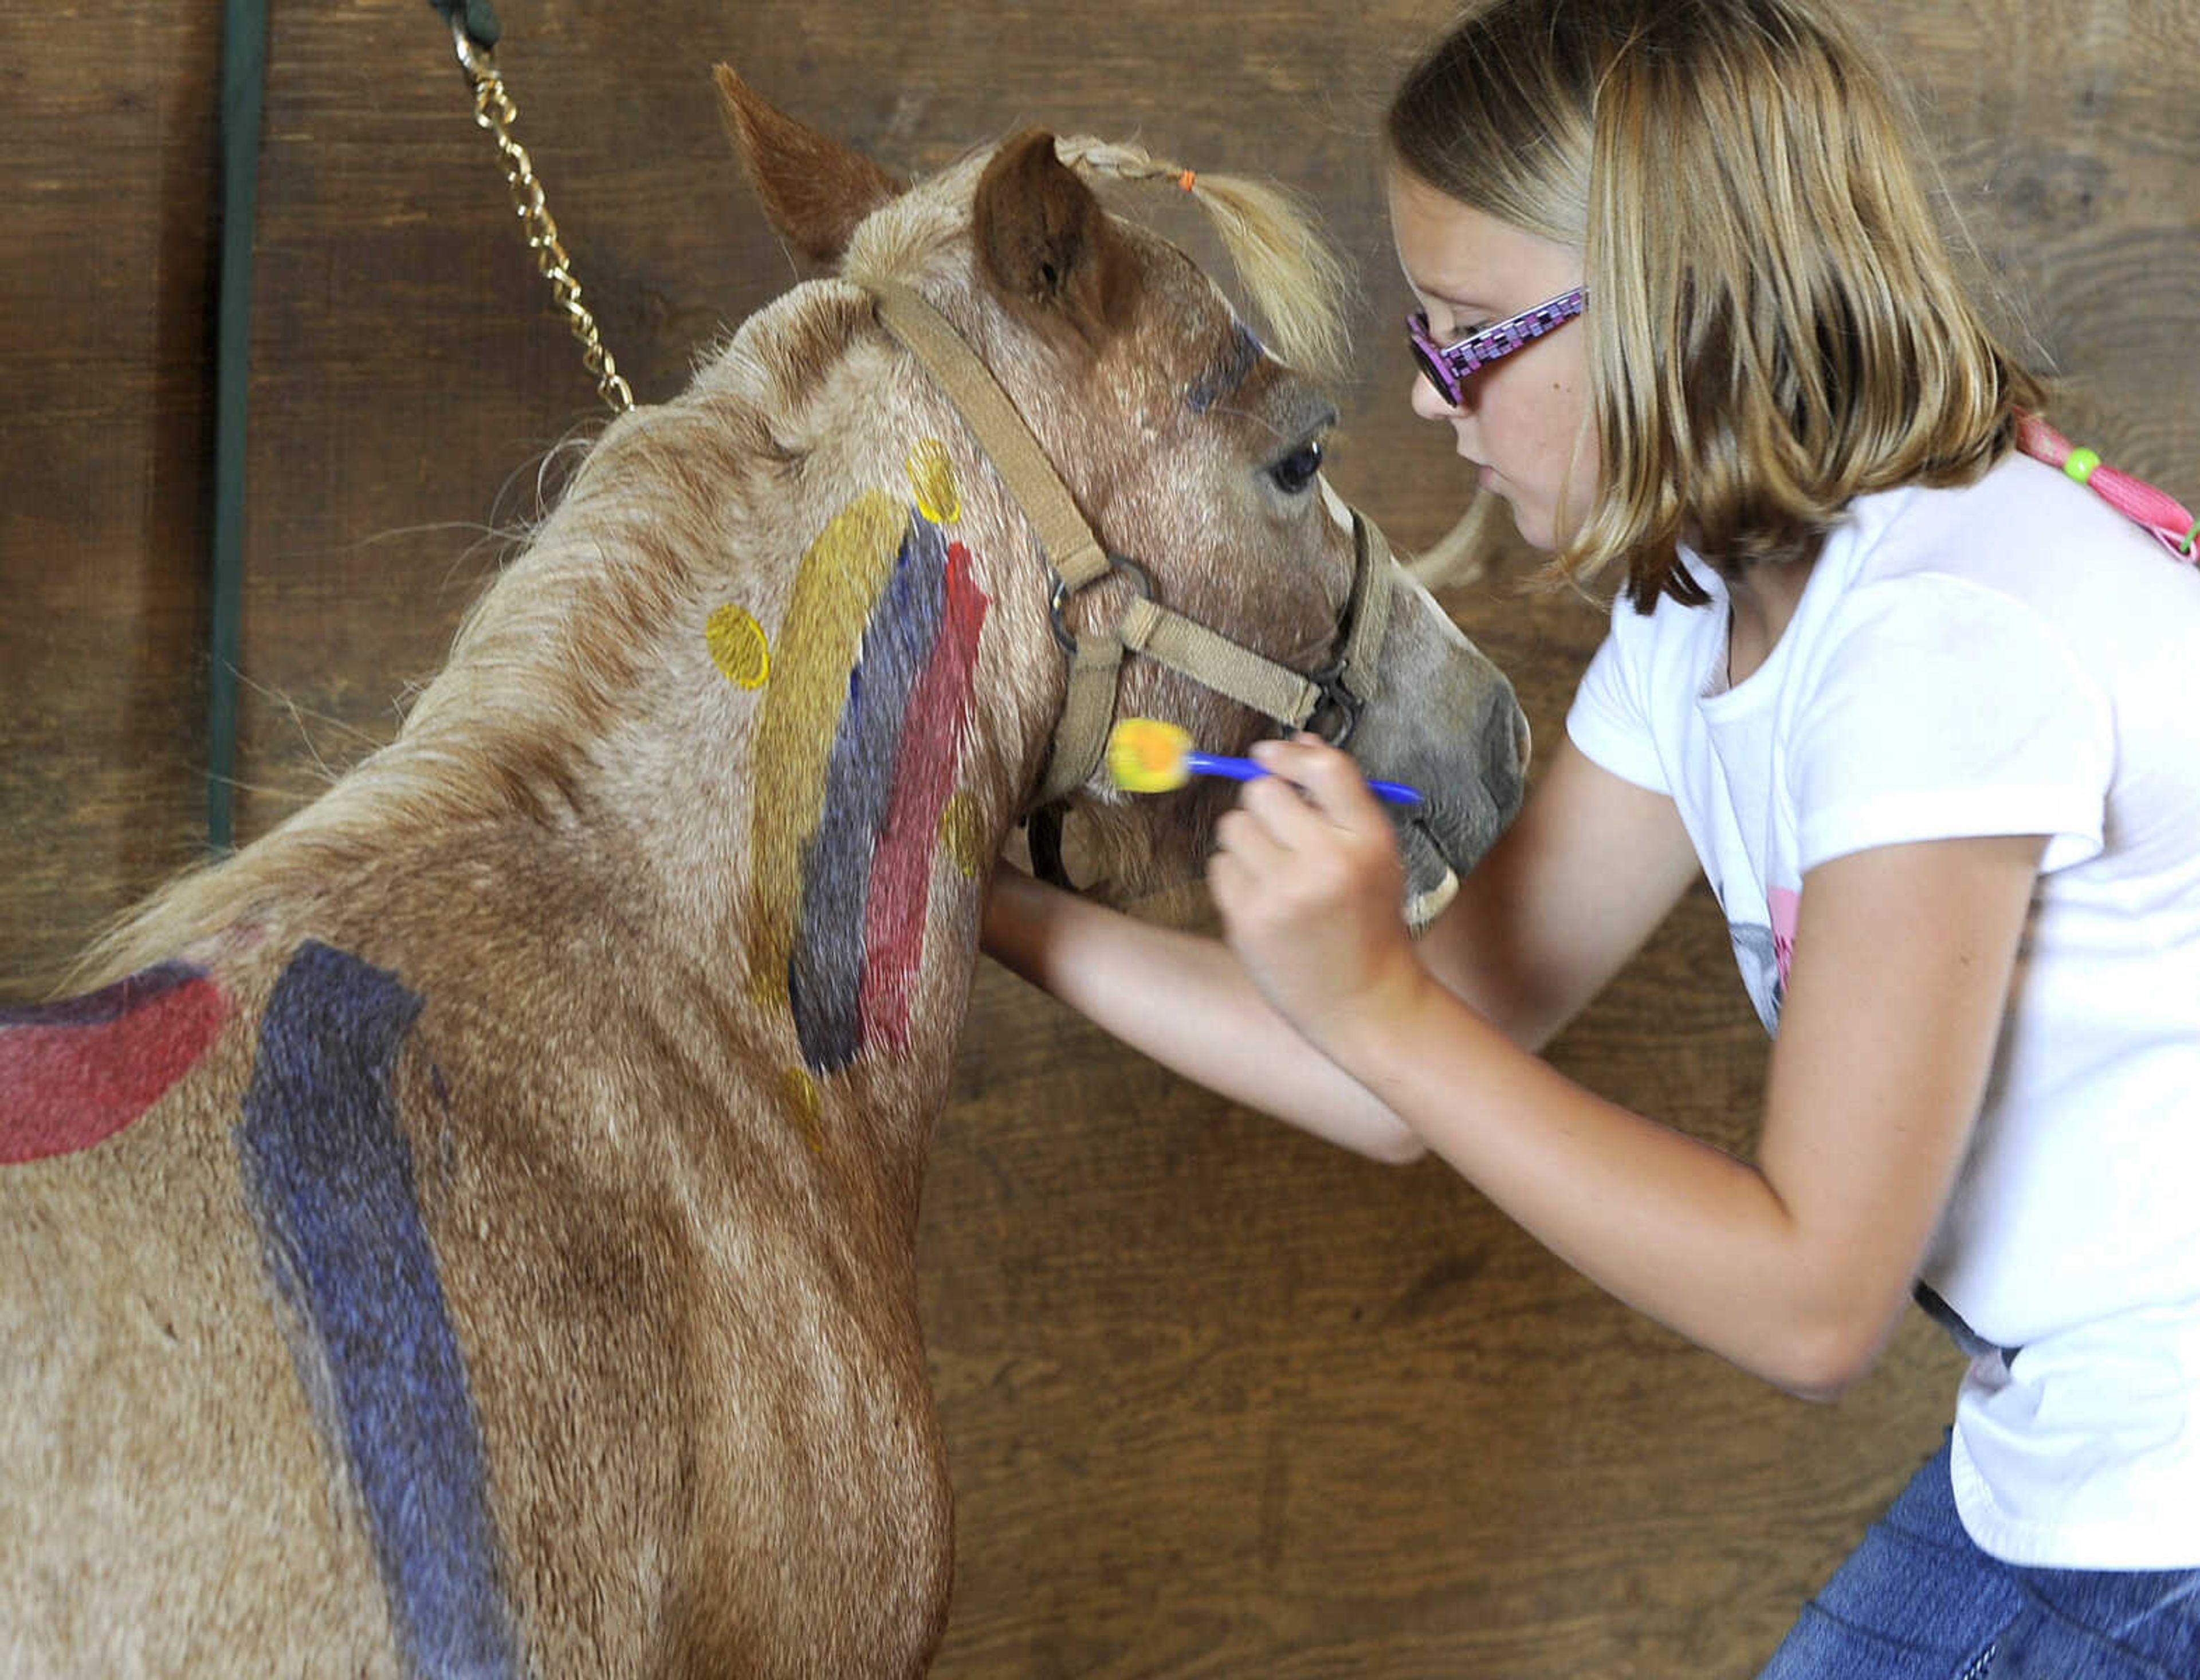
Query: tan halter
[{"x": 1077, "y": 559}]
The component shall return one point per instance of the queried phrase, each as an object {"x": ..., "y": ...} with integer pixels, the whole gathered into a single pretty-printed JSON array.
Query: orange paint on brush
[{"x": 1146, "y": 755}]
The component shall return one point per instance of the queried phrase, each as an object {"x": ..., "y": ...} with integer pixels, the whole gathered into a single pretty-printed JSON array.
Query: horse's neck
[
  {"x": 769, "y": 772},
  {"x": 806, "y": 816}
]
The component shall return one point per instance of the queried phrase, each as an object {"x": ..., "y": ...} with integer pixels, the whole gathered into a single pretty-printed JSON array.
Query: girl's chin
[{"x": 1533, "y": 524}]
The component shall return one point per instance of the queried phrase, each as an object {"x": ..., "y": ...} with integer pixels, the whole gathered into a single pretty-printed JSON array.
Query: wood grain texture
[
  {"x": 1219, "y": 1401},
  {"x": 109, "y": 115}
]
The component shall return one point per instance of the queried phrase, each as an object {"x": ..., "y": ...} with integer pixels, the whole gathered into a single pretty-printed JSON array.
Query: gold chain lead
[{"x": 494, "y": 111}]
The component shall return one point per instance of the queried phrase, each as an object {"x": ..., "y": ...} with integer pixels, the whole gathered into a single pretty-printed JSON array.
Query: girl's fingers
[
  {"x": 1282, "y": 810},
  {"x": 1242, "y": 836},
  {"x": 1242, "y": 861},
  {"x": 1328, "y": 778}
]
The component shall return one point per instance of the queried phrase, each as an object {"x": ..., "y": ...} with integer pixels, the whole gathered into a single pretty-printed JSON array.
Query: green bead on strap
[
  {"x": 2081, "y": 464},
  {"x": 2191, "y": 540}
]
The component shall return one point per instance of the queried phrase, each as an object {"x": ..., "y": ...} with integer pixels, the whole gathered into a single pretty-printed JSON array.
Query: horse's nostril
[{"x": 1505, "y": 726}]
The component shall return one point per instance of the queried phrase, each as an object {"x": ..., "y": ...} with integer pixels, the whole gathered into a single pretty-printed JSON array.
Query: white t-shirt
[{"x": 2012, "y": 657}]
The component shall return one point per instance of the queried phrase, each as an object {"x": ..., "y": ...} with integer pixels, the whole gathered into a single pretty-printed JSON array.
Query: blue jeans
[{"x": 1917, "y": 1601}]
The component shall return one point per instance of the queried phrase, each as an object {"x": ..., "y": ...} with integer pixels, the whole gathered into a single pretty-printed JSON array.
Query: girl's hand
[{"x": 1306, "y": 877}]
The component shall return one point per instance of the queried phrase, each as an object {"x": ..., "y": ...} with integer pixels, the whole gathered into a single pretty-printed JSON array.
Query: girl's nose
[{"x": 1428, "y": 402}]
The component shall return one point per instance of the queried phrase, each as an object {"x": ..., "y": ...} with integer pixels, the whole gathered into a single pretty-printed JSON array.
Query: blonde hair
[
  {"x": 1775, "y": 323},
  {"x": 1291, "y": 275}
]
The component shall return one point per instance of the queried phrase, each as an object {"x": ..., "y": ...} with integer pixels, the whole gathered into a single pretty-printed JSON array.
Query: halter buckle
[{"x": 1140, "y": 578}]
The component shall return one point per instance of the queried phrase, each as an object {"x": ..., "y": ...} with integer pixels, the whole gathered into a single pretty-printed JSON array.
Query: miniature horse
[{"x": 475, "y": 1235}]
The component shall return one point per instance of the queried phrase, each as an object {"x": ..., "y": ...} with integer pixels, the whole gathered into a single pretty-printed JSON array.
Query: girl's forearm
[
  {"x": 1680, "y": 1230},
  {"x": 1183, "y": 1000},
  {"x": 1676, "y": 1228},
  {"x": 1798, "y": 1268}
]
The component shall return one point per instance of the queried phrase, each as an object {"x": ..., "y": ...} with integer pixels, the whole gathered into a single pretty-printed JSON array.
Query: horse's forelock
[{"x": 1291, "y": 275}]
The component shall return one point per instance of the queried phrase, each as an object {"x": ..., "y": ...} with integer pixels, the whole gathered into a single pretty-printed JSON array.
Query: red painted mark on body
[
  {"x": 74, "y": 1073},
  {"x": 924, "y": 778}
]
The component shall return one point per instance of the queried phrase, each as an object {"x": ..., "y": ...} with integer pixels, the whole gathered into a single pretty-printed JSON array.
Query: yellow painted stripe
[{"x": 840, "y": 578}]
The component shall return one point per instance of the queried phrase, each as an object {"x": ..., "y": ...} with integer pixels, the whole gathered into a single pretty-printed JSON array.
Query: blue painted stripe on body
[
  {"x": 825, "y": 973},
  {"x": 330, "y": 1179}
]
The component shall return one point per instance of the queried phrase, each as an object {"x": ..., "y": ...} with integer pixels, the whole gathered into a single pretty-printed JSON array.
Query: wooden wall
[
  {"x": 1221, "y": 1401},
  {"x": 105, "y": 313}
]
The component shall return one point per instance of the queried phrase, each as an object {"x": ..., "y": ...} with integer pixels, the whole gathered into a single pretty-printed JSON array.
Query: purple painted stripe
[
  {"x": 329, "y": 1174},
  {"x": 825, "y": 973}
]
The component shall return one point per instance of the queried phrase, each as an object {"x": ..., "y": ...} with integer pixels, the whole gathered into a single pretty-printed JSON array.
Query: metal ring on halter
[
  {"x": 1341, "y": 700},
  {"x": 1116, "y": 562},
  {"x": 1337, "y": 700}
]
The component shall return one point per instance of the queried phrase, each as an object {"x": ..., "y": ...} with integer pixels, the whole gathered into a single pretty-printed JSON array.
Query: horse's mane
[
  {"x": 540, "y": 660},
  {"x": 533, "y": 677}
]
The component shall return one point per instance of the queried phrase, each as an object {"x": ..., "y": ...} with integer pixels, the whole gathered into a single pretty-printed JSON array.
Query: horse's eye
[{"x": 1297, "y": 470}]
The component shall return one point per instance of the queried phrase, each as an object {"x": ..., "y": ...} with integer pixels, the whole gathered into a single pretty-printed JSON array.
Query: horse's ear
[
  {"x": 814, "y": 189},
  {"x": 1043, "y": 239}
]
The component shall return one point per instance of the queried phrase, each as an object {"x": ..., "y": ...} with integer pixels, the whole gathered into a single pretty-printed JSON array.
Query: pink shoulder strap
[{"x": 2169, "y": 520}]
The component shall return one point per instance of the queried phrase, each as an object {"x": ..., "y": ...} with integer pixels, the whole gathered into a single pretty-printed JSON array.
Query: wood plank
[{"x": 109, "y": 119}]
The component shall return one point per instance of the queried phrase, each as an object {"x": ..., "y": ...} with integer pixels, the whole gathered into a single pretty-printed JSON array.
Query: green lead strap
[
  {"x": 243, "y": 90},
  {"x": 478, "y": 17},
  {"x": 243, "y": 77}
]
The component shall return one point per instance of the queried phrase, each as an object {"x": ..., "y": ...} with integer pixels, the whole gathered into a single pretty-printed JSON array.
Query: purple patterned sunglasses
[{"x": 1447, "y": 366}]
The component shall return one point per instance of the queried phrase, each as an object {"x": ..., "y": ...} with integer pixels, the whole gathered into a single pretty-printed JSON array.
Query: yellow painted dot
[
  {"x": 962, "y": 834},
  {"x": 738, "y": 647},
  {"x": 803, "y": 1103},
  {"x": 931, "y": 476}
]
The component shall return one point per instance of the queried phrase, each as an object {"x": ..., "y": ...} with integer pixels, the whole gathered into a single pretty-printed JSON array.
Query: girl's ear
[
  {"x": 814, "y": 189},
  {"x": 1044, "y": 242}
]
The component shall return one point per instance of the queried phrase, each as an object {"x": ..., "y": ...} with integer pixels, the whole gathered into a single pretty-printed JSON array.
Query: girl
[{"x": 1920, "y": 707}]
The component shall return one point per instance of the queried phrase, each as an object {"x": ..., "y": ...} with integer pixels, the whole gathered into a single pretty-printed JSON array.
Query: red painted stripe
[
  {"x": 924, "y": 778},
  {"x": 66, "y": 1086}
]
